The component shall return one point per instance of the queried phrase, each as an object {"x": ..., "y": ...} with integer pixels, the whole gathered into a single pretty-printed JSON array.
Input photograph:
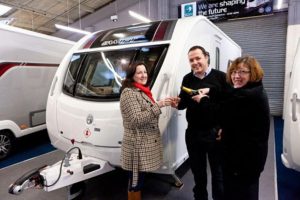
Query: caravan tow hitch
[{"x": 28, "y": 180}]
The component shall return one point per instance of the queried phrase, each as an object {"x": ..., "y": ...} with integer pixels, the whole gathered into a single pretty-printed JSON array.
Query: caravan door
[{"x": 291, "y": 137}]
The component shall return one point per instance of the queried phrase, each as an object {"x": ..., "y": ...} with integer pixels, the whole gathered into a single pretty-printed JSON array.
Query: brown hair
[
  {"x": 128, "y": 81},
  {"x": 256, "y": 71}
]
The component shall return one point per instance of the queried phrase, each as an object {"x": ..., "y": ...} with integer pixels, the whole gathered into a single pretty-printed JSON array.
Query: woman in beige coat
[{"x": 142, "y": 144}]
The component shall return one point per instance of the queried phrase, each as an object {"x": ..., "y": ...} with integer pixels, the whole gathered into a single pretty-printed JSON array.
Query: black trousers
[
  {"x": 202, "y": 145},
  {"x": 239, "y": 188}
]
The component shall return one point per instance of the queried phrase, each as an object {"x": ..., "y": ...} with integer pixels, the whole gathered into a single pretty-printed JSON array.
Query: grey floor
[{"x": 112, "y": 186}]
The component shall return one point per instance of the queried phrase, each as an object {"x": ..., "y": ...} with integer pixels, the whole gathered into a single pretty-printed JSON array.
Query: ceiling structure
[{"x": 42, "y": 15}]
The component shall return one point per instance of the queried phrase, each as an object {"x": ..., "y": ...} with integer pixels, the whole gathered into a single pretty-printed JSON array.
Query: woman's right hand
[{"x": 164, "y": 102}]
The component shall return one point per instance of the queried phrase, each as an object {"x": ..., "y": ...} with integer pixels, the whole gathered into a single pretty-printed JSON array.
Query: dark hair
[
  {"x": 205, "y": 53},
  {"x": 256, "y": 71},
  {"x": 130, "y": 71}
]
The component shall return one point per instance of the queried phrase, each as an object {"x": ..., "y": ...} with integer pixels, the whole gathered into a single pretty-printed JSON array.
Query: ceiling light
[
  {"x": 138, "y": 16},
  {"x": 4, "y": 9},
  {"x": 7, "y": 21},
  {"x": 67, "y": 28},
  {"x": 279, "y": 4}
]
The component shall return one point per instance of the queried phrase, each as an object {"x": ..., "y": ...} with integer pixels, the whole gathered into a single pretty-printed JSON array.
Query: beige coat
[{"x": 142, "y": 143}]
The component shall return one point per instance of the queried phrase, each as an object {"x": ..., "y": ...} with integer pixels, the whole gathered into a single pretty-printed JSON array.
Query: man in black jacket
[{"x": 203, "y": 134}]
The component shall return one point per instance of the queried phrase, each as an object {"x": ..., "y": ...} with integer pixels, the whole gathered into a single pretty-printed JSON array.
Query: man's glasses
[{"x": 240, "y": 72}]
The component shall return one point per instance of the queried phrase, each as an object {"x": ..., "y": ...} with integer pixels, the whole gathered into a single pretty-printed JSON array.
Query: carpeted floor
[
  {"x": 288, "y": 180},
  {"x": 28, "y": 147}
]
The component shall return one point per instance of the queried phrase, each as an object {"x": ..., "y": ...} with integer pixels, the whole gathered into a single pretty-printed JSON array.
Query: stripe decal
[{"x": 5, "y": 66}]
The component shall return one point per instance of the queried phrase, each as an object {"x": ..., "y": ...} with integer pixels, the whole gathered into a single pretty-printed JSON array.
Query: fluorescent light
[
  {"x": 279, "y": 4},
  {"x": 71, "y": 29},
  {"x": 138, "y": 16},
  {"x": 7, "y": 21},
  {"x": 4, "y": 9}
]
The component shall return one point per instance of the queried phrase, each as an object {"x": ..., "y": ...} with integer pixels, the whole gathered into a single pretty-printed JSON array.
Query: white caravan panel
[{"x": 291, "y": 137}]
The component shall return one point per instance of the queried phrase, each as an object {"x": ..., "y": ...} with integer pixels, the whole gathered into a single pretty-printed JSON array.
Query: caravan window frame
[{"x": 78, "y": 79}]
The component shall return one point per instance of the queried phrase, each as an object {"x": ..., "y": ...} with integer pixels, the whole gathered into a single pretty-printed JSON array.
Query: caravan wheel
[{"x": 6, "y": 144}]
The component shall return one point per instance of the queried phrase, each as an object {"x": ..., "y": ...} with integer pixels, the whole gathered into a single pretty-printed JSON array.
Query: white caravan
[
  {"x": 28, "y": 62},
  {"x": 83, "y": 104},
  {"x": 291, "y": 137}
]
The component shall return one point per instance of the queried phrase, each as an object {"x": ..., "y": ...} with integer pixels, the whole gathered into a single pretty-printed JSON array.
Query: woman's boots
[{"x": 134, "y": 195}]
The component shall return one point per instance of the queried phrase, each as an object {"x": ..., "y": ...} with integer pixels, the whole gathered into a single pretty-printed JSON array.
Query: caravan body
[
  {"x": 28, "y": 62},
  {"x": 291, "y": 134},
  {"x": 83, "y": 103}
]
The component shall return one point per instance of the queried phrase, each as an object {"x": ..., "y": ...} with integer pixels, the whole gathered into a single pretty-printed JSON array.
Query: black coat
[
  {"x": 245, "y": 122},
  {"x": 203, "y": 115}
]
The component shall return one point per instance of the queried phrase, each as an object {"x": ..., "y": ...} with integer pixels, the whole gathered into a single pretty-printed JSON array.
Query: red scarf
[{"x": 144, "y": 89}]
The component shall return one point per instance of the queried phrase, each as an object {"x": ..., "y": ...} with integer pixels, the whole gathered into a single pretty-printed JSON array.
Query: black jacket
[
  {"x": 203, "y": 115},
  {"x": 245, "y": 122}
]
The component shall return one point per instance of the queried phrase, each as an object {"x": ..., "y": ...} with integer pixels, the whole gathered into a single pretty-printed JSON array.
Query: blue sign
[{"x": 188, "y": 10}]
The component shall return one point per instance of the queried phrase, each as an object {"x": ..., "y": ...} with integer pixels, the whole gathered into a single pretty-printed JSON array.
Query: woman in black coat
[{"x": 245, "y": 124}]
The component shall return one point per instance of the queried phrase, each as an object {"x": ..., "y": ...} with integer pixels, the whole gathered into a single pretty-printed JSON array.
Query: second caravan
[
  {"x": 28, "y": 62},
  {"x": 83, "y": 103}
]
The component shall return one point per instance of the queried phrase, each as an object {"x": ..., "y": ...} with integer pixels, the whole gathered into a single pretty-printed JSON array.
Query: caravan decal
[{"x": 8, "y": 65}]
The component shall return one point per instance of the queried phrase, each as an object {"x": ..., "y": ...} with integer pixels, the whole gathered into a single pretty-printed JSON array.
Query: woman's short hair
[{"x": 256, "y": 71}]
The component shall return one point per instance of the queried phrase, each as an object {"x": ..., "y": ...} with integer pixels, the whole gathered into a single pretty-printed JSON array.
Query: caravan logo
[{"x": 89, "y": 119}]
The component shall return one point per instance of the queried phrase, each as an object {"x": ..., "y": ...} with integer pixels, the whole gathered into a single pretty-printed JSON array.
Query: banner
[{"x": 228, "y": 9}]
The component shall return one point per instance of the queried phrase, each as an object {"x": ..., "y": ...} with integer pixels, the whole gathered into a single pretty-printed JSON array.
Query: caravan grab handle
[
  {"x": 294, "y": 101},
  {"x": 165, "y": 80}
]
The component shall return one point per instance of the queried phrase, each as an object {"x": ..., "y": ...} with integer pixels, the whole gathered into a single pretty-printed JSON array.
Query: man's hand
[
  {"x": 203, "y": 91},
  {"x": 198, "y": 97},
  {"x": 175, "y": 101},
  {"x": 219, "y": 135}
]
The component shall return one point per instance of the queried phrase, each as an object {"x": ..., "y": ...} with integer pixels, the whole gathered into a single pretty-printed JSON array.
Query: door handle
[{"x": 294, "y": 103}]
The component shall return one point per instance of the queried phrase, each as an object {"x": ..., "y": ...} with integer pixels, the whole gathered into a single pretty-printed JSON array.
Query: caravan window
[
  {"x": 97, "y": 76},
  {"x": 72, "y": 73}
]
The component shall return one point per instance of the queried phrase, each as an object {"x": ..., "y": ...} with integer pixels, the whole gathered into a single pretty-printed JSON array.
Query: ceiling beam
[
  {"x": 29, "y": 27},
  {"x": 69, "y": 22},
  {"x": 38, "y": 12},
  {"x": 83, "y": 7}
]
